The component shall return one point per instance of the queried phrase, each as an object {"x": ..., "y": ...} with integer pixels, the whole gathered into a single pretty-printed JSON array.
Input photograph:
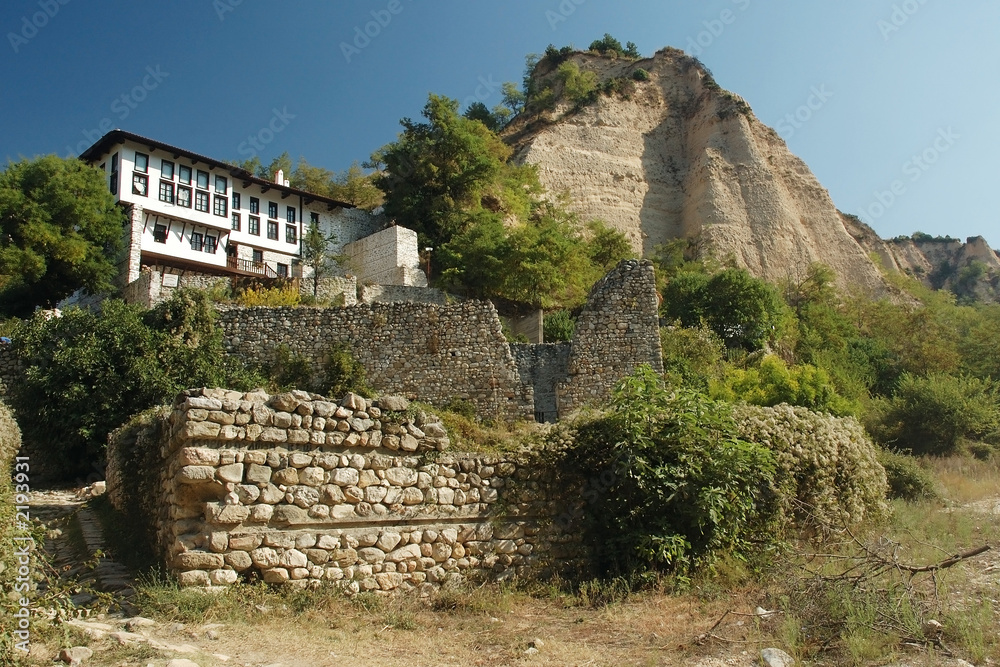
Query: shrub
[
  {"x": 692, "y": 356},
  {"x": 828, "y": 468},
  {"x": 558, "y": 326},
  {"x": 578, "y": 86},
  {"x": 683, "y": 487},
  {"x": 336, "y": 374},
  {"x": 640, "y": 74},
  {"x": 934, "y": 414},
  {"x": 86, "y": 373},
  {"x": 258, "y": 295},
  {"x": 772, "y": 383},
  {"x": 906, "y": 479}
]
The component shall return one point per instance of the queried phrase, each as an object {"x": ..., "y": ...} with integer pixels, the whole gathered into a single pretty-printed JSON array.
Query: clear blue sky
[{"x": 898, "y": 79}]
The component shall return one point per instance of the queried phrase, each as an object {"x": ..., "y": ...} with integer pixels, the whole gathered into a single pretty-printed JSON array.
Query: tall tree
[
  {"x": 60, "y": 230},
  {"x": 316, "y": 253}
]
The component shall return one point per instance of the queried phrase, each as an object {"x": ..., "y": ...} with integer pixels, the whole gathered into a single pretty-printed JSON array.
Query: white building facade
[{"x": 191, "y": 213}]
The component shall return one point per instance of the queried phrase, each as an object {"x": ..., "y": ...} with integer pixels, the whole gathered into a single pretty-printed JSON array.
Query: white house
[{"x": 191, "y": 213}]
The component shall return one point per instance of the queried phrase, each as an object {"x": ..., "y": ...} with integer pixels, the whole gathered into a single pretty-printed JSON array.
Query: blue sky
[{"x": 904, "y": 93}]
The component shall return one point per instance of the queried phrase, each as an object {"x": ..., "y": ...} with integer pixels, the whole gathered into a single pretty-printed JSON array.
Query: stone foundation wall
[{"x": 295, "y": 488}]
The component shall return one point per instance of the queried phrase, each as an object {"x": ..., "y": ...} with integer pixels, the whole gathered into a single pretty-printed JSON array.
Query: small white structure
[{"x": 388, "y": 257}]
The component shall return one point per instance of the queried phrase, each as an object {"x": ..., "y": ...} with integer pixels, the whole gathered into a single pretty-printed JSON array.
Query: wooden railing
[{"x": 249, "y": 266}]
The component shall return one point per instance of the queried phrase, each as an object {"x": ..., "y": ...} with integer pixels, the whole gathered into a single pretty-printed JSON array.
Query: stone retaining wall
[{"x": 295, "y": 488}]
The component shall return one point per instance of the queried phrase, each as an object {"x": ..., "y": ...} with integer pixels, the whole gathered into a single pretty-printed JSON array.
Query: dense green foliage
[
  {"x": 936, "y": 413},
  {"x": 86, "y": 373},
  {"x": 60, "y": 230},
  {"x": 608, "y": 45},
  {"x": 558, "y": 326},
  {"x": 493, "y": 233},
  {"x": 352, "y": 185},
  {"x": 335, "y": 375},
  {"x": 906, "y": 479},
  {"x": 772, "y": 382},
  {"x": 684, "y": 487}
]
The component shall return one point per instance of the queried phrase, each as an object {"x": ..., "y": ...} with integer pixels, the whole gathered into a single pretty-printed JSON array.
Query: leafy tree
[
  {"x": 479, "y": 111},
  {"x": 513, "y": 97},
  {"x": 60, "y": 230},
  {"x": 772, "y": 382},
  {"x": 609, "y": 45},
  {"x": 578, "y": 86},
  {"x": 86, "y": 373},
  {"x": 311, "y": 178},
  {"x": 440, "y": 173},
  {"x": 692, "y": 357},
  {"x": 934, "y": 414},
  {"x": 316, "y": 253},
  {"x": 558, "y": 326}
]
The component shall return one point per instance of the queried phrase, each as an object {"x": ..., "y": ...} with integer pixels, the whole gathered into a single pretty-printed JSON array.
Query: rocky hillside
[{"x": 663, "y": 152}]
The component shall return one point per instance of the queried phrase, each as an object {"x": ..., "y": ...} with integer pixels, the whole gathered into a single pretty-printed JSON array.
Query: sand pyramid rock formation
[{"x": 679, "y": 157}]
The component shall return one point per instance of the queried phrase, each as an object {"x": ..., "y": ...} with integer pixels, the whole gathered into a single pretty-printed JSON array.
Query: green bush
[
  {"x": 578, "y": 86},
  {"x": 86, "y": 373},
  {"x": 558, "y": 326},
  {"x": 772, "y": 383},
  {"x": 935, "y": 414},
  {"x": 828, "y": 468},
  {"x": 692, "y": 356},
  {"x": 907, "y": 480},
  {"x": 343, "y": 373},
  {"x": 640, "y": 75},
  {"x": 334, "y": 376},
  {"x": 678, "y": 485}
]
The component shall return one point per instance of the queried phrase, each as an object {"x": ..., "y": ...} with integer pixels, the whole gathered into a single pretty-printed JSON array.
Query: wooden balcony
[{"x": 248, "y": 267}]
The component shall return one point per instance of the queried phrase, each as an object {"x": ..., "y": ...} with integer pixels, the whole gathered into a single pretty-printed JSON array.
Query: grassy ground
[{"x": 844, "y": 602}]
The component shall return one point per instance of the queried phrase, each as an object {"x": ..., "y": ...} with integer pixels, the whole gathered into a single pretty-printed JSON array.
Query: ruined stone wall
[
  {"x": 295, "y": 488},
  {"x": 543, "y": 367},
  {"x": 431, "y": 352},
  {"x": 617, "y": 331}
]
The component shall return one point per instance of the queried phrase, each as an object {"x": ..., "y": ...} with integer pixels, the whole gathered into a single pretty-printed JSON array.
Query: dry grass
[{"x": 965, "y": 479}]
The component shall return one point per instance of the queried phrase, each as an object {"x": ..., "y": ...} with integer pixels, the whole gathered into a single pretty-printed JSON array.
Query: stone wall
[
  {"x": 617, "y": 331},
  {"x": 434, "y": 353},
  {"x": 388, "y": 257},
  {"x": 296, "y": 488},
  {"x": 543, "y": 367},
  {"x": 401, "y": 294}
]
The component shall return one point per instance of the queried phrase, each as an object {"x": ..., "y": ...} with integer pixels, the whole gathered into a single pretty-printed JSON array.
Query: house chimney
[{"x": 279, "y": 177}]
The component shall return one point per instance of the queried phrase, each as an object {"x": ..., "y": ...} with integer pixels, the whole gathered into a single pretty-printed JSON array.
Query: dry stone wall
[
  {"x": 294, "y": 488},
  {"x": 431, "y": 352},
  {"x": 617, "y": 331}
]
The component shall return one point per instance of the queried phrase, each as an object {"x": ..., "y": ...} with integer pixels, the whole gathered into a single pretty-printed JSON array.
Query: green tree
[
  {"x": 60, "y": 230},
  {"x": 86, "y": 373},
  {"x": 316, "y": 253}
]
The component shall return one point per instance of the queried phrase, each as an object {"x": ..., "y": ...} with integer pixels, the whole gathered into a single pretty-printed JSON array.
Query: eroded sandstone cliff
[{"x": 669, "y": 154}]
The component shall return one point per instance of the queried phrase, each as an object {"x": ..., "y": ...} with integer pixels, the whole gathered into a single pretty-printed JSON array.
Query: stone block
[
  {"x": 197, "y": 560},
  {"x": 193, "y": 578},
  {"x": 231, "y": 473},
  {"x": 257, "y": 473},
  {"x": 276, "y": 575},
  {"x": 271, "y": 434},
  {"x": 290, "y": 515},
  {"x": 401, "y": 476},
  {"x": 223, "y": 577},
  {"x": 198, "y": 456},
  {"x": 201, "y": 431},
  {"x": 246, "y": 542},
  {"x": 238, "y": 560},
  {"x": 196, "y": 474}
]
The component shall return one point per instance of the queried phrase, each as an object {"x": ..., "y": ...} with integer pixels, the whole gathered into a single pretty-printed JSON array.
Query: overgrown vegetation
[
  {"x": 86, "y": 373},
  {"x": 337, "y": 373}
]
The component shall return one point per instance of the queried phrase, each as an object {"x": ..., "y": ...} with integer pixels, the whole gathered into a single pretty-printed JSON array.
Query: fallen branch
[{"x": 948, "y": 562}]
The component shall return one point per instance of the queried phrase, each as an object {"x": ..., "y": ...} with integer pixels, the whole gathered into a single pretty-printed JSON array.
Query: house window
[
  {"x": 236, "y": 222},
  {"x": 282, "y": 270},
  {"x": 203, "y": 179},
  {"x": 197, "y": 241},
  {"x": 272, "y": 210},
  {"x": 254, "y": 205},
  {"x": 291, "y": 234},
  {"x": 313, "y": 217},
  {"x": 183, "y": 196},
  {"x": 159, "y": 233},
  {"x": 255, "y": 225},
  {"x": 140, "y": 184},
  {"x": 236, "y": 201},
  {"x": 221, "y": 185},
  {"x": 141, "y": 162},
  {"x": 220, "y": 206},
  {"x": 258, "y": 256},
  {"x": 184, "y": 174},
  {"x": 167, "y": 192},
  {"x": 167, "y": 170},
  {"x": 272, "y": 230},
  {"x": 211, "y": 243},
  {"x": 290, "y": 214},
  {"x": 114, "y": 174},
  {"x": 201, "y": 201}
]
